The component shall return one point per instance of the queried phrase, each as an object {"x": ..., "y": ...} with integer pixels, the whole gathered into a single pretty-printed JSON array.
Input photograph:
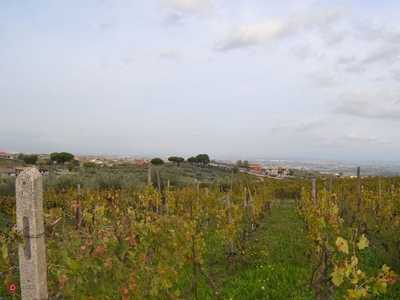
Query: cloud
[
  {"x": 332, "y": 37},
  {"x": 271, "y": 29},
  {"x": 381, "y": 103},
  {"x": 395, "y": 74},
  {"x": 356, "y": 68},
  {"x": 128, "y": 60},
  {"x": 172, "y": 53},
  {"x": 200, "y": 7},
  {"x": 344, "y": 60},
  {"x": 352, "y": 137},
  {"x": 173, "y": 19},
  {"x": 281, "y": 127},
  {"x": 370, "y": 32},
  {"x": 351, "y": 64},
  {"x": 386, "y": 53},
  {"x": 323, "y": 78},
  {"x": 305, "y": 52},
  {"x": 307, "y": 125},
  {"x": 310, "y": 125},
  {"x": 109, "y": 25},
  {"x": 110, "y": 65}
]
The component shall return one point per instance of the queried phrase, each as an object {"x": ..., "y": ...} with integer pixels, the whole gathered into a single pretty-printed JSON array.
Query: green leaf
[
  {"x": 4, "y": 251},
  {"x": 342, "y": 245},
  {"x": 349, "y": 270},
  {"x": 337, "y": 279},
  {"x": 363, "y": 243},
  {"x": 87, "y": 217}
]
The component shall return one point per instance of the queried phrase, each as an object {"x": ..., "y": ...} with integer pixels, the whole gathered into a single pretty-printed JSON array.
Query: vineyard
[{"x": 301, "y": 239}]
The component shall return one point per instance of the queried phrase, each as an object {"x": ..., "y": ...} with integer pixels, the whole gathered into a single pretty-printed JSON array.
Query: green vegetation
[
  {"x": 7, "y": 186},
  {"x": 245, "y": 164},
  {"x": 177, "y": 160},
  {"x": 30, "y": 159},
  {"x": 157, "y": 161},
  {"x": 204, "y": 232},
  {"x": 192, "y": 160},
  {"x": 203, "y": 159},
  {"x": 61, "y": 157}
]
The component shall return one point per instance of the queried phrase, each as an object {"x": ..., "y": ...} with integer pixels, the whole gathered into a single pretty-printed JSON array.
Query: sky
[{"x": 234, "y": 79}]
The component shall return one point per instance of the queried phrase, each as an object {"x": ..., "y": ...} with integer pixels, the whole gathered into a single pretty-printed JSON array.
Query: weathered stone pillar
[{"x": 32, "y": 257}]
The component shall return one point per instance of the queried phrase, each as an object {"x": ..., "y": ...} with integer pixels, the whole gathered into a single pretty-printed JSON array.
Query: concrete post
[{"x": 32, "y": 257}]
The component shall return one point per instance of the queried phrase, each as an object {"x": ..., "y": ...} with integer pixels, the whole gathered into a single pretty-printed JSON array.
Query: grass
[
  {"x": 278, "y": 266},
  {"x": 278, "y": 261}
]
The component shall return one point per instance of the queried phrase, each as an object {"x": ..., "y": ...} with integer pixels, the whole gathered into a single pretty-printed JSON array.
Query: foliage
[
  {"x": 334, "y": 258},
  {"x": 134, "y": 241},
  {"x": 176, "y": 159},
  {"x": 61, "y": 157},
  {"x": 157, "y": 161},
  {"x": 90, "y": 164},
  {"x": 350, "y": 270},
  {"x": 246, "y": 164},
  {"x": 7, "y": 186},
  {"x": 30, "y": 159},
  {"x": 192, "y": 160},
  {"x": 203, "y": 159},
  {"x": 70, "y": 167}
]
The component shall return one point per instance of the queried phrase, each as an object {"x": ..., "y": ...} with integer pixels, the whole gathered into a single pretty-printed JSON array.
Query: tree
[
  {"x": 157, "y": 161},
  {"x": 54, "y": 156},
  {"x": 30, "y": 159},
  {"x": 239, "y": 163},
  {"x": 203, "y": 159},
  {"x": 41, "y": 162},
  {"x": 71, "y": 167},
  {"x": 90, "y": 164},
  {"x": 61, "y": 157},
  {"x": 246, "y": 164},
  {"x": 176, "y": 159},
  {"x": 235, "y": 169},
  {"x": 192, "y": 160}
]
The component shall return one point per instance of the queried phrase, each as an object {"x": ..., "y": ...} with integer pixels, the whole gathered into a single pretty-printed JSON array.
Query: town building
[
  {"x": 4, "y": 172},
  {"x": 255, "y": 167},
  {"x": 5, "y": 155}
]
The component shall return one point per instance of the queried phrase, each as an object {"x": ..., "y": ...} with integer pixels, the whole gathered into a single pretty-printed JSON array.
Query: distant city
[
  {"x": 333, "y": 167},
  {"x": 346, "y": 168}
]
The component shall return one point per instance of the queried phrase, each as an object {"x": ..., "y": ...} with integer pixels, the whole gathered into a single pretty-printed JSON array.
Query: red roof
[
  {"x": 7, "y": 170},
  {"x": 3, "y": 153}
]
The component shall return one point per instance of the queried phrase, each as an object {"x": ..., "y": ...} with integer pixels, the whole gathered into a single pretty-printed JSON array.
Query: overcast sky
[{"x": 240, "y": 79}]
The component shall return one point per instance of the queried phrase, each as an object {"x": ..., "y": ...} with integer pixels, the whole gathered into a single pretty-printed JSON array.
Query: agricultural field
[{"x": 222, "y": 236}]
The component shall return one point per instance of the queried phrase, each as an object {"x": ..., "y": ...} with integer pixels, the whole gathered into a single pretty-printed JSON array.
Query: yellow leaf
[
  {"x": 341, "y": 243},
  {"x": 363, "y": 243},
  {"x": 337, "y": 279},
  {"x": 354, "y": 294},
  {"x": 4, "y": 251},
  {"x": 385, "y": 268}
]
